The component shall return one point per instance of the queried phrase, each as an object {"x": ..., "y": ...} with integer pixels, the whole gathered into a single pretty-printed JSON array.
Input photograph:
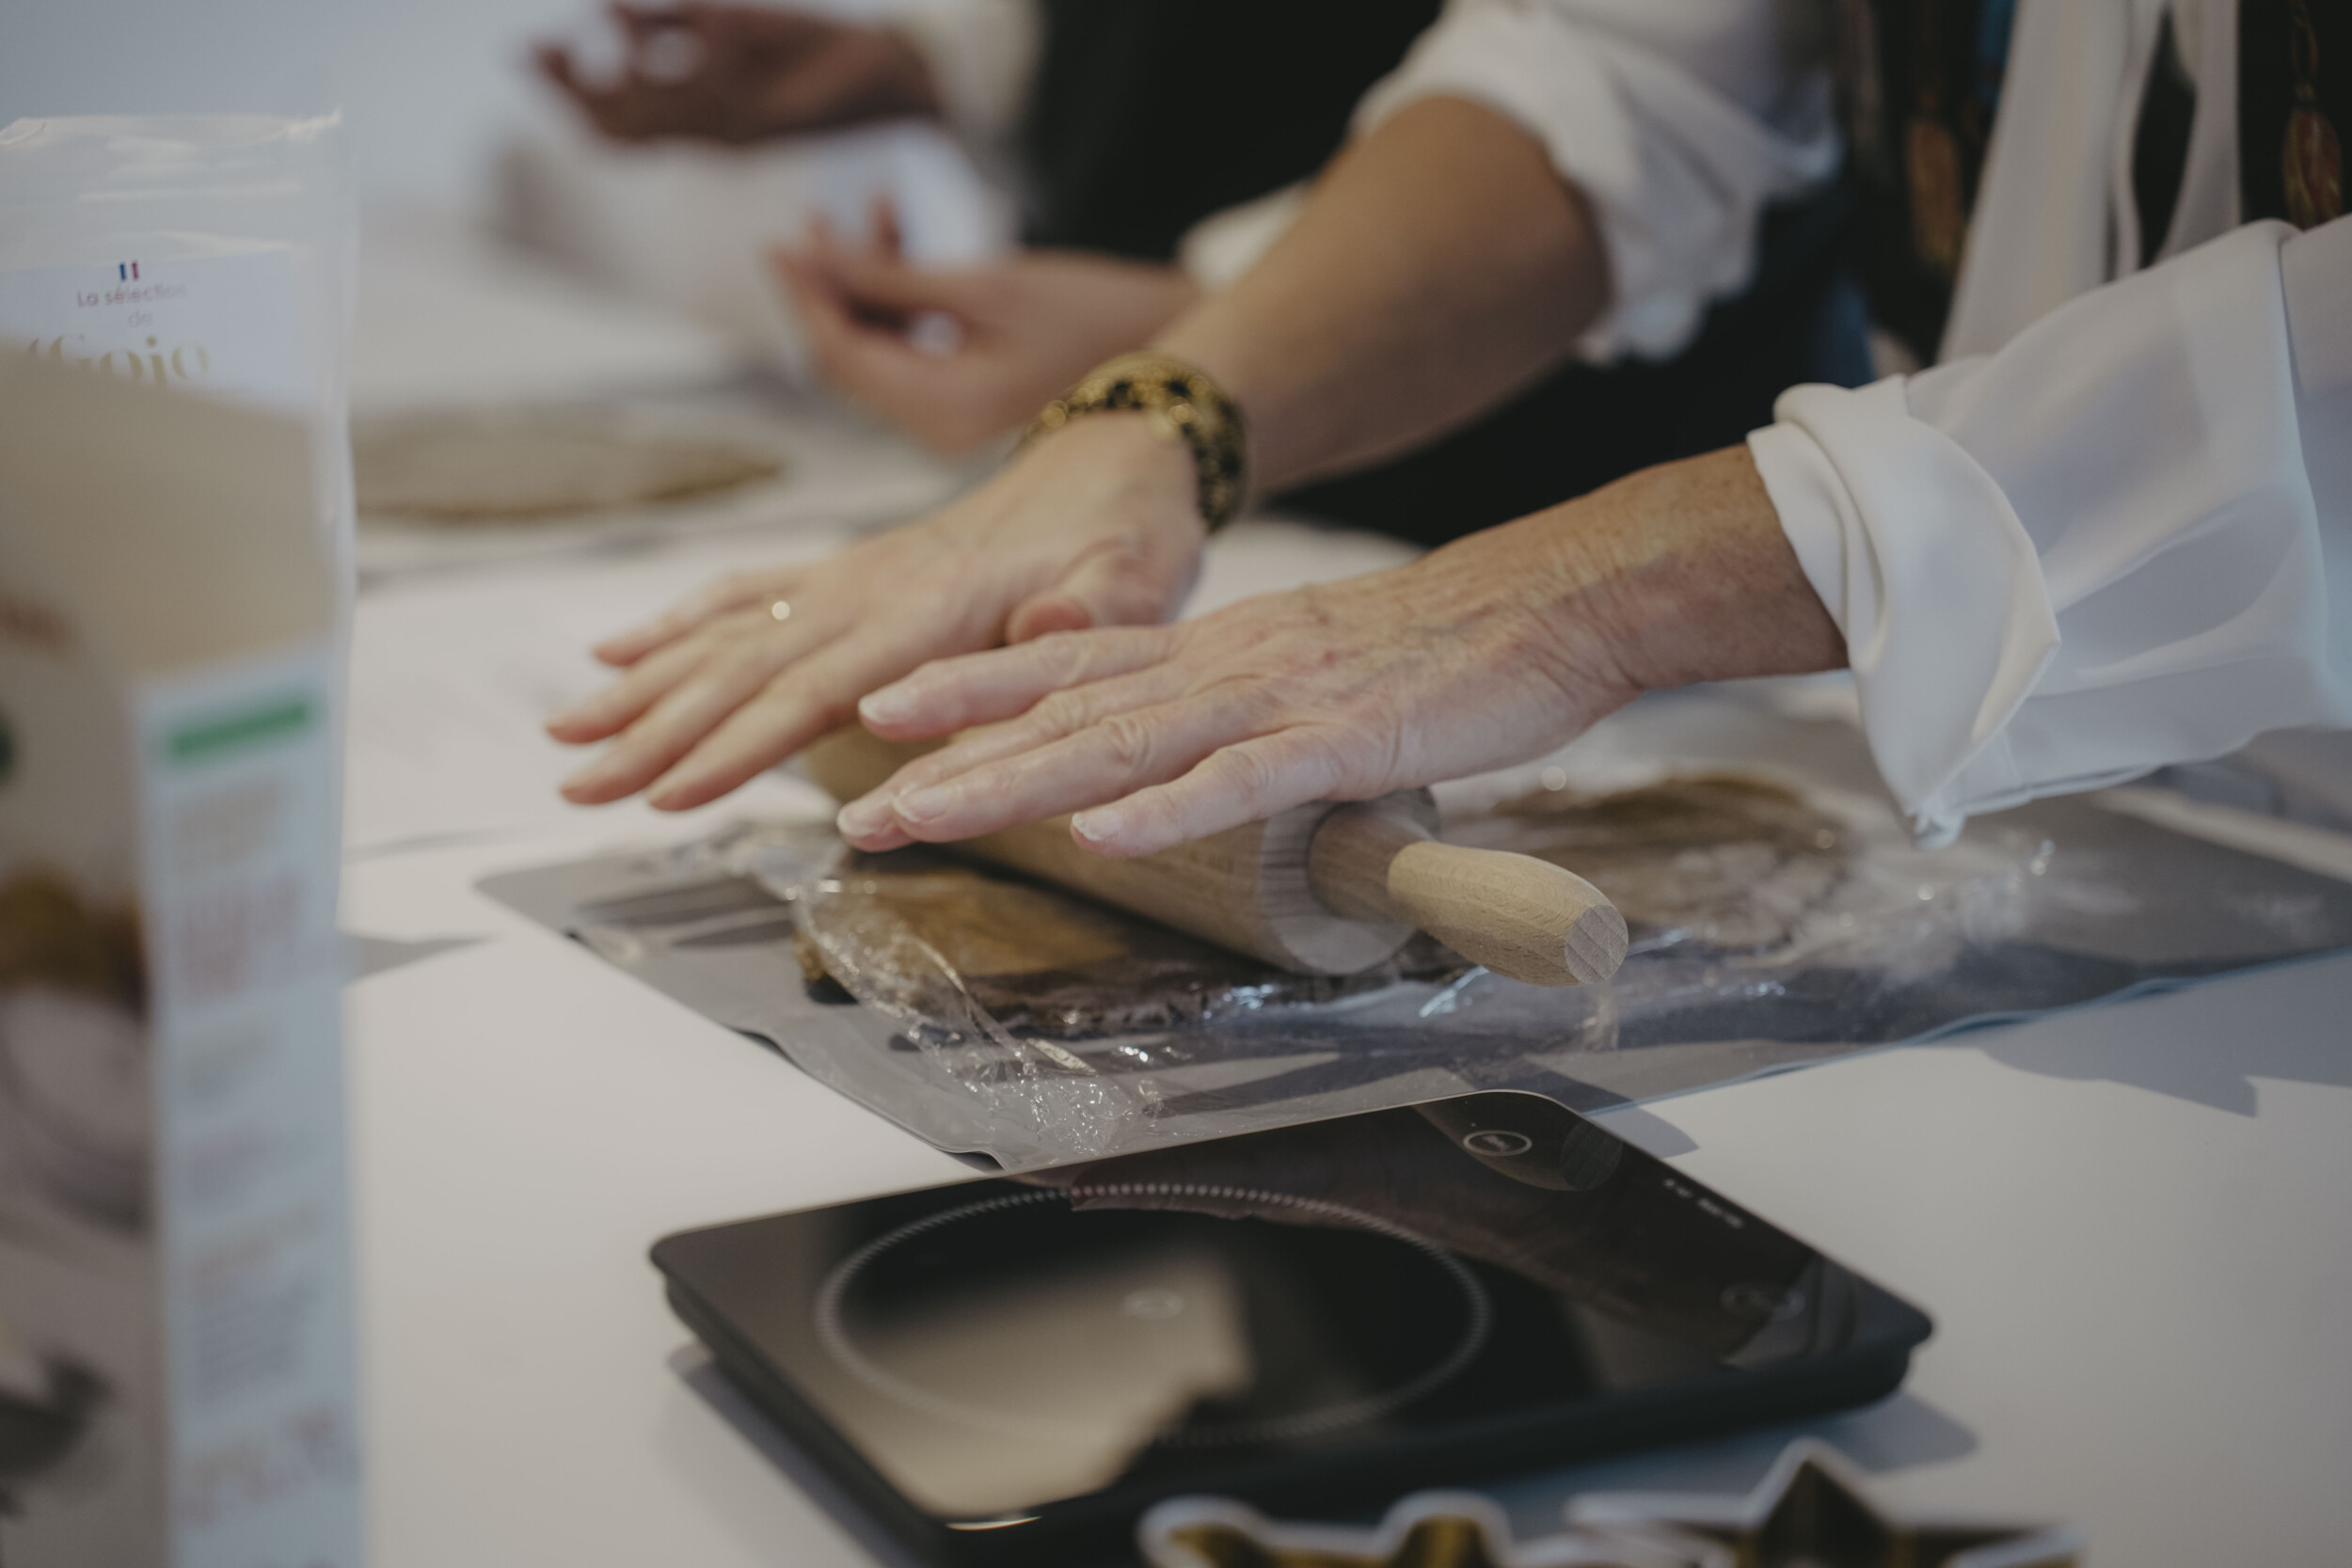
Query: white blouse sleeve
[
  {"x": 2123, "y": 539},
  {"x": 1678, "y": 119}
]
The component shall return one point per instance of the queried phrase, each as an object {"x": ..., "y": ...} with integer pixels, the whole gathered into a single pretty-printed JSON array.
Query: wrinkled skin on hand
[
  {"x": 1096, "y": 528},
  {"x": 1488, "y": 652},
  {"x": 1342, "y": 692},
  {"x": 745, "y": 74},
  {"x": 1020, "y": 329}
]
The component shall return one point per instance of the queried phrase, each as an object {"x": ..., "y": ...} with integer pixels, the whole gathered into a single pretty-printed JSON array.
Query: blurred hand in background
[
  {"x": 743, "y": 73},
  {"x": 956, "y": 355}
]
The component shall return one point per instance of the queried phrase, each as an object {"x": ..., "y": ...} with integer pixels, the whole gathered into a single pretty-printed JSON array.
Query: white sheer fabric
[
  {"x": 2055, "y": 214},
  {"x": 2117, "y": 543}
]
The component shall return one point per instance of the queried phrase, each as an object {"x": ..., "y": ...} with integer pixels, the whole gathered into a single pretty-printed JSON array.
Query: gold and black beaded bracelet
[{"x": 1182, "y": 404}]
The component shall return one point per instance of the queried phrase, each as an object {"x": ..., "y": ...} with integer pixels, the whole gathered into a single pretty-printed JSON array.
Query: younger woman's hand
[{"x": 1097, "y": 527}]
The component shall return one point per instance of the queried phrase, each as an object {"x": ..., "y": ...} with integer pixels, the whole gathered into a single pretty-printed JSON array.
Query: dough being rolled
[{"x": 1727, "y": 861}]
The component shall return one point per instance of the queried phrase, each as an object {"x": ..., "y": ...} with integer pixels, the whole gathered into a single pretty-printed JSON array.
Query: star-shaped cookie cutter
[
  {"x": 1812, "y": 1510},
  {"x": 1428, "y": 1529}
]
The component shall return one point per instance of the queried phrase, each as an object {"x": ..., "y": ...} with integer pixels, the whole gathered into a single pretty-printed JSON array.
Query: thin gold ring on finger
[{"x": 780, "y": 610}]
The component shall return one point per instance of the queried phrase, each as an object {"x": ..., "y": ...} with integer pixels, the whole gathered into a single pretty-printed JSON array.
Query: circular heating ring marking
[
  {"x": 835, "y": 1336},
  {"x": 1497, "y": 1142}
]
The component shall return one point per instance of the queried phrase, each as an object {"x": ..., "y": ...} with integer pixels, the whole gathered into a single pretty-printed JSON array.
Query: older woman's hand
[
  {"x": 1098, "y": 527},
  {"x": 1339, "y": 691},
  {"x": 1492, "y": 651}
]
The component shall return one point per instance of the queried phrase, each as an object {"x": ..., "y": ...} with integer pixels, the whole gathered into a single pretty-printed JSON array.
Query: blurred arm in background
[
  {"x": 739, "y": 74},
  {"x": 1680, "y": 122}
]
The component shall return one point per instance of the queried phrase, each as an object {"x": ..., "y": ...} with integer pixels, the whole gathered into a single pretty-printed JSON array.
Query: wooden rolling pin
[{"x": 1321, "y": 889}]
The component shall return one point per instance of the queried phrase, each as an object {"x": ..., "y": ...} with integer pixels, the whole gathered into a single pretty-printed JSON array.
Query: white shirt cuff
[
  {"x": 1932, "y": 579},
  {"x": 2097, "y": 551}
]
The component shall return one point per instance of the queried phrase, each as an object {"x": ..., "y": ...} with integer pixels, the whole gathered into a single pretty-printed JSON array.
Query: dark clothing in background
[
  {"x": 1148, "y": 116},
  {"x": 2294, "y": 108},
  {"x": 2167, "y": 112},
  {"x": 1920, "y": 82},
  {"x": 1585, "y": 425}
]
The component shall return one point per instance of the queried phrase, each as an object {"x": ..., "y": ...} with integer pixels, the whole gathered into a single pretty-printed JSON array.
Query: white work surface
[{"x": 2129, "y": 1222}]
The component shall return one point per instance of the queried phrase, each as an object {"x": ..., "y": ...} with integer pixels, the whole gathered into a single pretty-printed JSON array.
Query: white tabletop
[{"x": 2129, "y": 1222}]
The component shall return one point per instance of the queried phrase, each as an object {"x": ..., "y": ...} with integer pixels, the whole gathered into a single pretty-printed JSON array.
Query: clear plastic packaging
[
  {"x": 1780, "y": 913},
  {"x": 211, "y": 253}
]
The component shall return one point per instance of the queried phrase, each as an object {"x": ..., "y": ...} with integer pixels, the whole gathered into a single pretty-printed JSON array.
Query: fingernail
[
  {"x": 1096, "y": 826},
  {"x": 862, "y": 817},
  {"x": 922, "y": 805},
  {"x": 886, "y": 706}
]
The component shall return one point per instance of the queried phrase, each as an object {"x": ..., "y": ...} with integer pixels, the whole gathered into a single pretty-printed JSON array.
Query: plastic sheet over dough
[{"x": 1780, "y": 912}]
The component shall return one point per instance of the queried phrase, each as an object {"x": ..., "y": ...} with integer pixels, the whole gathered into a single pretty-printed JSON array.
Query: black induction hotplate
[{"x": 1316, "y": 1318}]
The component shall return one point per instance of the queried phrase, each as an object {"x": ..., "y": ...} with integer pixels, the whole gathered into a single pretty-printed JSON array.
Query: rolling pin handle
[
  {"x": 1520, "y": 917},
  {"x": 1349, "y": 860}
]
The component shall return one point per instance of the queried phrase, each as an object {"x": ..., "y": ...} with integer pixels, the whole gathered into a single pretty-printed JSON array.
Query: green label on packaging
[{"x": 279, "y": 719}]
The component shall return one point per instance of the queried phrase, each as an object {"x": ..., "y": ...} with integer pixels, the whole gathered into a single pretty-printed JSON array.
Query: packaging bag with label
[
  {"x": 177, "y": 1380},
  {"x": 211, "y": 253}
]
